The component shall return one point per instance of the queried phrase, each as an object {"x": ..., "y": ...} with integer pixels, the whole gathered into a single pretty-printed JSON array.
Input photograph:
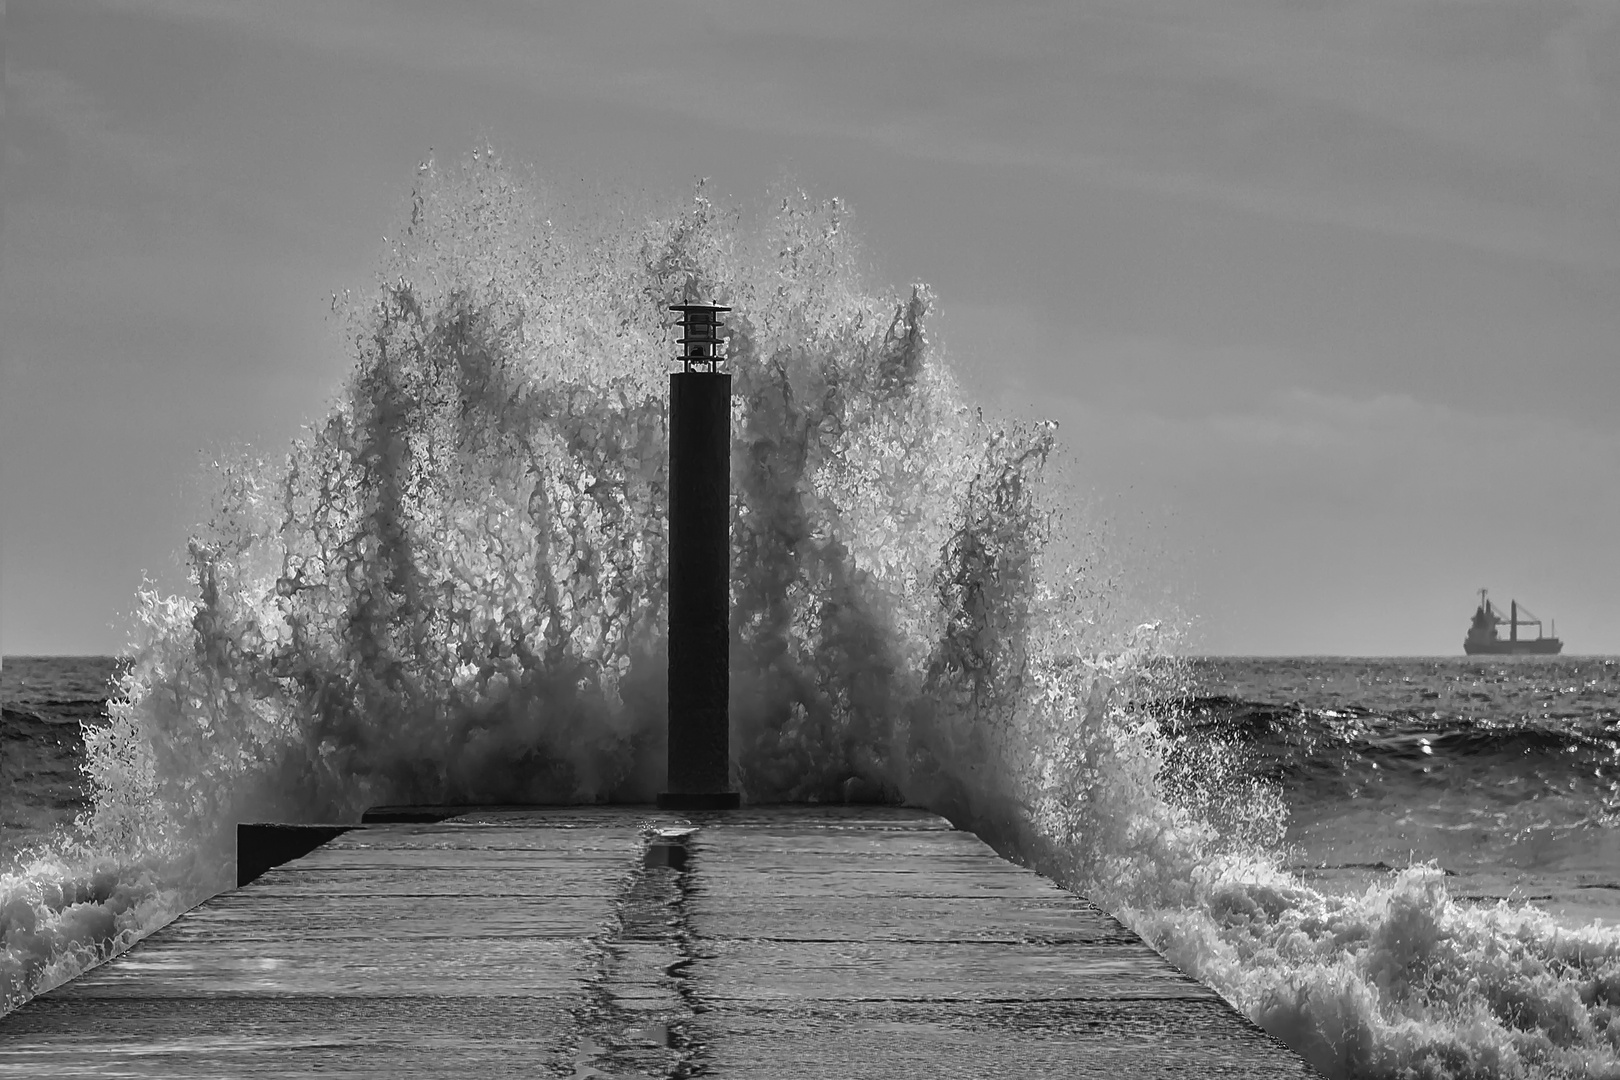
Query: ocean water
[
  {"x": 1504, "y": 772},
  {"x": 44, "y": 703},
  {"x": 450, "y": 589}
]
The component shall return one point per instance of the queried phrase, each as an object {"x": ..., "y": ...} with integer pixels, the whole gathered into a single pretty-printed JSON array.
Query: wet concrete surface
[{"x": 587, "y": 942}]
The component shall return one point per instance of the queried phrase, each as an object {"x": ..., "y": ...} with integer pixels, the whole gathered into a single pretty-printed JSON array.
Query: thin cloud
[{"x": 1034, "y": 89}]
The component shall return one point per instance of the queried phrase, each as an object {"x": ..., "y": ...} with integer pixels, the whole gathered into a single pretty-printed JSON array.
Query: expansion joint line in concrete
[{"x": 636, "y": 1018}]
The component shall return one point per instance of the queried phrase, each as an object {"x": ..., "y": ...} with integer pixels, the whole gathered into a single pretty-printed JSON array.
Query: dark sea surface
[
  {"x": 1504, "y": 771},
  {"x": 43, "y": 703}
]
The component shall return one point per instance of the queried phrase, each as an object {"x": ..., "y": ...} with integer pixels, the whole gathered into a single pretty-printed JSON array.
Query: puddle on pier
[{"x": 636, "y": 1020}]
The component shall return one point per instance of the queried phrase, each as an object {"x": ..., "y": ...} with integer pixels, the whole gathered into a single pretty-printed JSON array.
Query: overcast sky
[{"x": 1325, "y": 295}]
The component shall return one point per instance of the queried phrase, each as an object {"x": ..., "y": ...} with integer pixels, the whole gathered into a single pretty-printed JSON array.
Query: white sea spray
[{"x": 451, "y": 590}]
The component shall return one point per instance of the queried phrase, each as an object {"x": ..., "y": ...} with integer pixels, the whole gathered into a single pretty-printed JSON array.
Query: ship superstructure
[{"x": 1483, "y": 638}]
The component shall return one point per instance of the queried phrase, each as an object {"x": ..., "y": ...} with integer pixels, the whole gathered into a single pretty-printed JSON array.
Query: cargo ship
[{"x": 1483, "y": 639}]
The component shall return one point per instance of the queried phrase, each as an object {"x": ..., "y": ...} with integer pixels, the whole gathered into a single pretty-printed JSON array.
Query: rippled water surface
[{"x": 1505, "y": 771}]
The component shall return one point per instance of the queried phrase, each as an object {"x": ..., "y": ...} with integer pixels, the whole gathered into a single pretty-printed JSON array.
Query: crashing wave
[{"x": 451, "y": 591}]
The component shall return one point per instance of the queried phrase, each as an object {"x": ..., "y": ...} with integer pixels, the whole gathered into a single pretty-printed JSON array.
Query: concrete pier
[{"x": 781, "y": 942}]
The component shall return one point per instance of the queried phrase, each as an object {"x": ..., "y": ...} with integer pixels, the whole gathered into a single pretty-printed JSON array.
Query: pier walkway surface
[{"x": 601, "y": 942}]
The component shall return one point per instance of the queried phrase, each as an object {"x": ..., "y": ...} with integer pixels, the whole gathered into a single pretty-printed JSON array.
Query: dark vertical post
[{"x": 699, "y": 571}]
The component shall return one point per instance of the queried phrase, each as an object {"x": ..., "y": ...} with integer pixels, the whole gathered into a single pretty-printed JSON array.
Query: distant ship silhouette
[{"x": 1483, "y": 639}]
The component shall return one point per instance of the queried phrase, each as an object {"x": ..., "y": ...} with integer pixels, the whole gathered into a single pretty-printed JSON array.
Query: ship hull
[{"x": 1549, "y": 646}]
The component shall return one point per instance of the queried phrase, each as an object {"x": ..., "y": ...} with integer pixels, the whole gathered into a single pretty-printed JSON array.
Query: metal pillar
[{"x": 699, "y": 571}]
